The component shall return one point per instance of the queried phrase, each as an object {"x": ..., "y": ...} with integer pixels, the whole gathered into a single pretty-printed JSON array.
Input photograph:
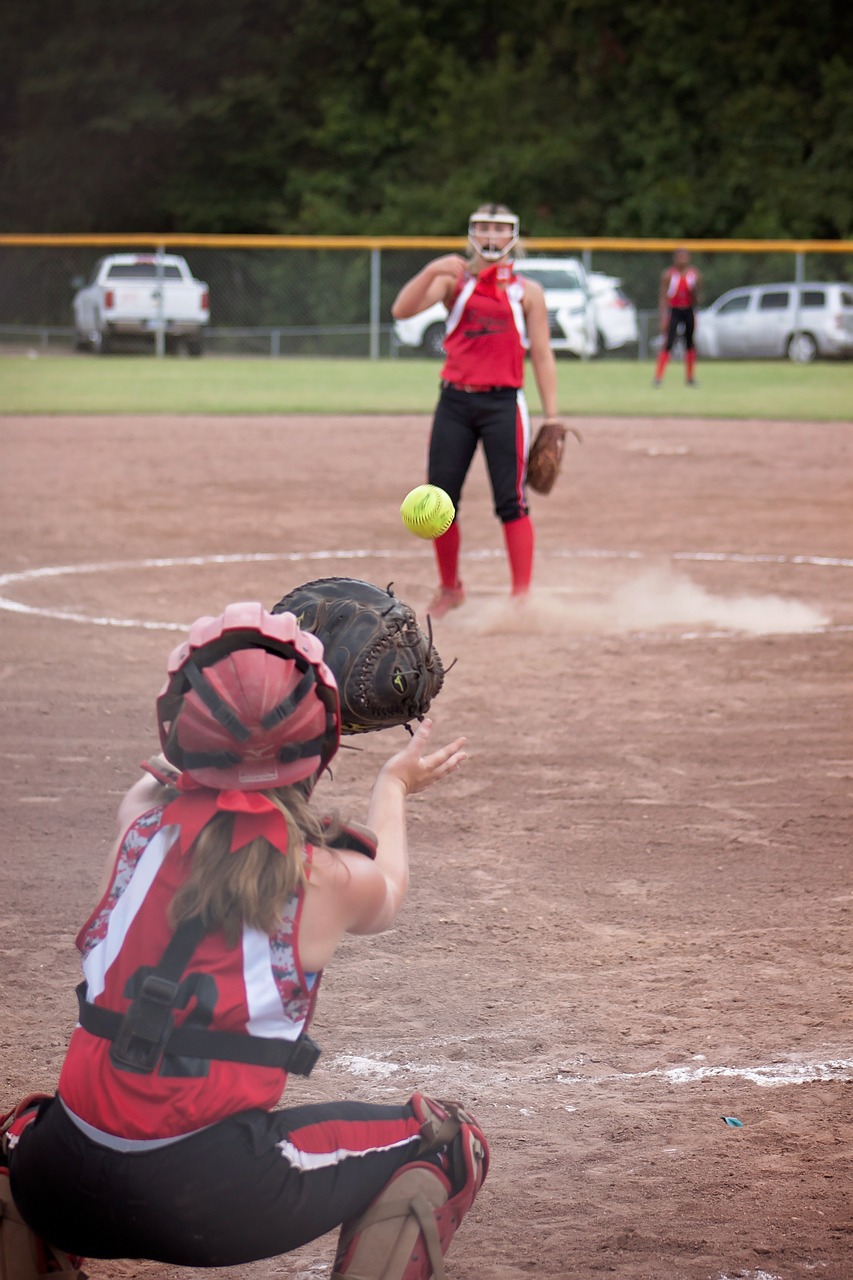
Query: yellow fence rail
[{"x": 559, "y": 244}]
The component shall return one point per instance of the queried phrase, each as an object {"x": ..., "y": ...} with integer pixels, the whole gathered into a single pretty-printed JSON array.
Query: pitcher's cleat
[{"x": 445, "y": 599}]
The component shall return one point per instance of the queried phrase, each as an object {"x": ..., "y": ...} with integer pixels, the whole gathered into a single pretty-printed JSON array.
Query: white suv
[
  {"x": 568, "y": 297},
  {"x": 617, "y": 320},
  {"x": 801, "y": 322}
]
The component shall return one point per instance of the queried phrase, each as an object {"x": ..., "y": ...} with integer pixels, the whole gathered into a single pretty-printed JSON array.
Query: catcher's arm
[
  {"x": 351, "y": 893},
  {"x": 405, "y": 774},
  {"x": 541, "y": 354},
  {"x": 145, "y": 793}
]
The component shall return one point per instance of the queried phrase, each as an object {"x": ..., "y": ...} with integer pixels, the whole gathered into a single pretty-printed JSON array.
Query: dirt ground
[{"x": 630, "y": 912}]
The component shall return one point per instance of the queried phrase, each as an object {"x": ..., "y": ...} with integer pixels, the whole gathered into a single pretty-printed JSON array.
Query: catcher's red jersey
[
  {"x": 486, "y": 337},
  {"x": 257, "y": 987}
]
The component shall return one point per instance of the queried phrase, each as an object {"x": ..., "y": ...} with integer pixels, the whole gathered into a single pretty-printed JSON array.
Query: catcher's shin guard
[{"x": 405, "y": 1232}]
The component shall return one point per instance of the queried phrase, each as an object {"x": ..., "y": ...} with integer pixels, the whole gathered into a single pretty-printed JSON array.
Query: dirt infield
[{"x": 630, "y": 913}]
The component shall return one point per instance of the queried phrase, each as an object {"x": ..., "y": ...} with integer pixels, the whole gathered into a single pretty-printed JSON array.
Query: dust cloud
[{"x": 653, "y": 599}]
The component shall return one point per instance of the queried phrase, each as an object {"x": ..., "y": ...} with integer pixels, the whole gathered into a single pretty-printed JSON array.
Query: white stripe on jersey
[
  {"x": 459, "y": 305},
  {"x": 514, "y": 293},
  {"x": 121, "y": 917},
  {"x": 266, "y": 1016}
]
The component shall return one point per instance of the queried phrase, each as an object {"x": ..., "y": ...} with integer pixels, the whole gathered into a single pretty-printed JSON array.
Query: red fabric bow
[
  {"x": 254, "y": 815},
  {"x": 487, "y": 282}
]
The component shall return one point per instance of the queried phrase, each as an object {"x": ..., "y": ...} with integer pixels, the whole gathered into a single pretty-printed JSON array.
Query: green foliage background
[{"x": 591, "y": 117}]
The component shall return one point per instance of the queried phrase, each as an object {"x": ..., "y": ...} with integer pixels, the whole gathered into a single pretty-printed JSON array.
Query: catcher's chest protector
[{"x": 23, "y": 1254}]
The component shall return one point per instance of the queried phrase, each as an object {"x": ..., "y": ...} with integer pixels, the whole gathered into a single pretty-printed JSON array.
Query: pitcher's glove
[
  {"x": 546, "y": 455},
  {"x": 387, "y": 668}
]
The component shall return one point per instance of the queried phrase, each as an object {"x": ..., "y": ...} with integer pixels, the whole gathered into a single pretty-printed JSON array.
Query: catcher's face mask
[
  {"x": 249, "y": 702},
  {"x": 492, "y": 232}
]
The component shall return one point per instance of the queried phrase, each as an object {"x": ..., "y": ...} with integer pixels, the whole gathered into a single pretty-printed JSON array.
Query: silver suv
[{"x": 801, "y": 322}]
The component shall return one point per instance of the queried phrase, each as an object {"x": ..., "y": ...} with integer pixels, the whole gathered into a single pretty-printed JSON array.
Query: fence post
[
  {"x": 160, "y": 334},
  {"x": 586, "y": 259},
  {"x": 375, "y": 276},
  {"x": 799, "y": 277}
]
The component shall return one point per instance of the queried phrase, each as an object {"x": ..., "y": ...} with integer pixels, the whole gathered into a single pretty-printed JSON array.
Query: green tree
[{"x": 590, "y": 117}]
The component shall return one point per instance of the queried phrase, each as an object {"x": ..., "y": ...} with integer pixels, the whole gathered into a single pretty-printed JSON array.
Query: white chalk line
[
  {"x": 70, "y": 615},
  {"x": 766, "y": 1076}
]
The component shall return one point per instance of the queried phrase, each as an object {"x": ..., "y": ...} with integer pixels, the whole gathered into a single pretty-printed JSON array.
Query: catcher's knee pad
[{"x": 406, "y": 1231}]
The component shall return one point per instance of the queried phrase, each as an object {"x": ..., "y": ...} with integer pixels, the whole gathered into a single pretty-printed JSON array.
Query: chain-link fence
[{"x": 324, "y": 296}]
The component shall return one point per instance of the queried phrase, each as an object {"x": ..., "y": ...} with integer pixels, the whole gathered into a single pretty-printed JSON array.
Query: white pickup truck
[{"x": 135, "y": 294}]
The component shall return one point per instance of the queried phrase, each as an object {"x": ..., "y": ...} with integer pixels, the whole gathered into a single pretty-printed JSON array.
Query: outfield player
[
  {"x": 677, "y": 302},
  {"x": 494, "y": 319},
  {"x": 223, "y": 900}
]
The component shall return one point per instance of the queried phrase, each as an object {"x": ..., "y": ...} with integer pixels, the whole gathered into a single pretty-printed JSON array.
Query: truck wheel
[
  {"x": 433, "y": 341},
  {"x": 194, "y": 346}
]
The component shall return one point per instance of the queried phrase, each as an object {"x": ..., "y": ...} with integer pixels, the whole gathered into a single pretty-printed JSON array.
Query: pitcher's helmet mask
[
  {"x": 487, "y": 249},
  {"x": 249, "y": 702}
]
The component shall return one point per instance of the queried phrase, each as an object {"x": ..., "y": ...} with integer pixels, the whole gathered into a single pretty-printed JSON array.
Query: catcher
[
  {"x": 494, "y": 318},
  {"x": 223, "y": 900}
]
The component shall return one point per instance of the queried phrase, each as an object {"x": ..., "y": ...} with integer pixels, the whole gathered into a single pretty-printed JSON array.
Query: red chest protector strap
[{"x": 146, "y": 1032}]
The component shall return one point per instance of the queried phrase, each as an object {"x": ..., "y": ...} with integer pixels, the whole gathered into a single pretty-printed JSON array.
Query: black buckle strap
[
  {"x": 298, "y": 1057},
  {"x": 145, "y": 1028},
  {"x": 140, "y": 1040},
  {"x": 146, "y": 1032},
  {"x": 215, "y": 705}
]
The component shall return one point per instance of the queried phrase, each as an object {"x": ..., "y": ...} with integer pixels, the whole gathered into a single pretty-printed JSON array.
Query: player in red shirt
[
  {"x": 494, "y": 319},
  {"x": 677, "y": 303},
  {"x": 223, "y": 899}
]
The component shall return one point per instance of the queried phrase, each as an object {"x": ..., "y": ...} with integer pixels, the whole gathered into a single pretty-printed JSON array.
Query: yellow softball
[{"x": 427, "y": 511}]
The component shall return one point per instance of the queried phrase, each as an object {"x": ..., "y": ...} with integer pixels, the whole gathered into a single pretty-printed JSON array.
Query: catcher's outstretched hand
[{"x": 417, "y": 771}]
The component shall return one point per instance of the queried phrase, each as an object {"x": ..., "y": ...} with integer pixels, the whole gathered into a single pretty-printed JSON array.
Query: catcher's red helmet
[{"x": 249, "y": 702}]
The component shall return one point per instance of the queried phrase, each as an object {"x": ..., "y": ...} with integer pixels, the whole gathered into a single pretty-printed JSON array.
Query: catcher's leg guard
[{"x": 405, "y": 1232}]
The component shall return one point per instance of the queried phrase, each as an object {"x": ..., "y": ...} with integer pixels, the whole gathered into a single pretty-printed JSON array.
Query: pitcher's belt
[{"x": 469, "y": 387}]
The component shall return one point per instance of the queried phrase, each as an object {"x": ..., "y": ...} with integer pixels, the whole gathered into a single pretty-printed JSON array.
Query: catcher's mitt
[
  {"x": 546, "y": 455},
  {"x": 387, "y": 668}
]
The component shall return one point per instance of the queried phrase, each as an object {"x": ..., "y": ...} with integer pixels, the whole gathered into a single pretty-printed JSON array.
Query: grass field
[{"x": 34, "y": 384}]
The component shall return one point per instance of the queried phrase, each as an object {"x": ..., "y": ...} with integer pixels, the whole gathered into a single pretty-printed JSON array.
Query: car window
[
  {"x": 551, "y": 277},
  {"x": 740, "y": 303},
  {"x": 777, "y": 300},
  {"x": 141, "y": 271},
  {"x": 813, "y": 298},
  {"x": 846, "y": 298}
]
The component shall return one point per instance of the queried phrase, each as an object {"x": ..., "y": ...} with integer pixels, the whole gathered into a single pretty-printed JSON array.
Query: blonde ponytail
[{"x": 253, "y": 885}]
